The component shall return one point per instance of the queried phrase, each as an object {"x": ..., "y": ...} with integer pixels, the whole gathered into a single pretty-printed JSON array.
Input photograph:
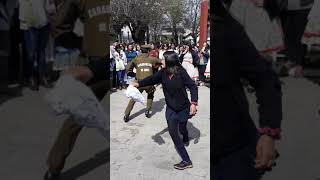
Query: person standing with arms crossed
[
  {"x": 174, "y": 79},
  {"x": 144, "y": 65}
]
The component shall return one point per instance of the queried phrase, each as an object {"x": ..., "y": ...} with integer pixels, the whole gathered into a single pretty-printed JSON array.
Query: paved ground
[
  {"x": 300, "y": 145},
  {"x": 27, "y": 132},
  {"x": 143, "y": 150}
]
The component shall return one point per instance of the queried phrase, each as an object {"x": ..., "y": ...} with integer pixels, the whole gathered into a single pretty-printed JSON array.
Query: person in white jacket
[{"x": 121, "y": 63}]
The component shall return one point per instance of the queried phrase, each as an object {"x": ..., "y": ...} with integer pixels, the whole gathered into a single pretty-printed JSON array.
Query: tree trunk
[
  {"x": 194, "y": 28},
  {"x": 148, "y": 35},
  {"x": 175, "y": 33},
  {"x": 138, "y": 33}
]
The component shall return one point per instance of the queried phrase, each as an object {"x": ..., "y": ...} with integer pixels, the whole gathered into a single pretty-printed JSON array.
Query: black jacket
[
  {"x": 174, "y": 89},
  {"x": 235, "y": 57}
]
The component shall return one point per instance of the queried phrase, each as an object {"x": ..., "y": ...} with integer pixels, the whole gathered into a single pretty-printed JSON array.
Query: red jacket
[{"x": 154, "y": 53}]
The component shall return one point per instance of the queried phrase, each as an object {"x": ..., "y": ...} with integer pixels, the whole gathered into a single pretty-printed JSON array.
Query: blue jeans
[
  {"x": 177, "y": 122},
  {"x": 36, "y": 41},
  {"x": 120, "y": 77},
  {"x": 238, "y": 165}
]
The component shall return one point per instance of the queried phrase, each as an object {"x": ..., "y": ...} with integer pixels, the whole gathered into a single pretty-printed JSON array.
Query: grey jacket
[{"x": 6, "y": 13}]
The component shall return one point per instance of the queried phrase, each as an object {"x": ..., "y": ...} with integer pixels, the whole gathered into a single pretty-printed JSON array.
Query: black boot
[
  {"x": 148, "y": 115},
  {"x": 45, "y": 83},
  {"x": 51, "y": 176},
  {"x": 126, "y": 118},
  {"x": 33, "y": 84}
]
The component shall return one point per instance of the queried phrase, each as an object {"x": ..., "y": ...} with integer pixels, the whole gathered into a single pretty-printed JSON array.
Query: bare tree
[
  {"x": 175, "y": 11},
  {"x": 137, "y": 15},
  {"x": 192, "y": 19}
]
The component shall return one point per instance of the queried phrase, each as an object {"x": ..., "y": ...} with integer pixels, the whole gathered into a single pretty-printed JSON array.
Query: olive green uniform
[
  {"x": 96, "y": 17},
  {"x": 144, "y": 67}
]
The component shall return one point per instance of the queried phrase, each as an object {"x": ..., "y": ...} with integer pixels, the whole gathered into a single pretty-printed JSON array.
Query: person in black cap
[{"x": 241, "y": 150}]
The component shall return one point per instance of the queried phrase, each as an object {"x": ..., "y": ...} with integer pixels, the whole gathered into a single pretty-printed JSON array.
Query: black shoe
[
  {"x": 46, "y": 84},
  {"x": 120, "y": 87},
  {"x": 34, "y": 86},
  {"x": 51, "y": 176},
  {"x": 148, "y": 115},
  {"x": 183, "y": 165},
  {"x": 126, "y": 118}
]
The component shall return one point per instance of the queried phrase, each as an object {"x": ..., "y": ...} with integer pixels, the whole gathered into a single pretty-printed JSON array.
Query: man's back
[
  {"x": 144, "y": 65},
  {"x": 95, "y": 16}
]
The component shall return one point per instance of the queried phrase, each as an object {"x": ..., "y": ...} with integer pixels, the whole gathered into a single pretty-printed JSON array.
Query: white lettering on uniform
[
  {"x": 102, "y": 27},
  {"x": 90, "y": 13},
  {"x": 145, "y": 64},
  {"x": 99, "y": 10}
]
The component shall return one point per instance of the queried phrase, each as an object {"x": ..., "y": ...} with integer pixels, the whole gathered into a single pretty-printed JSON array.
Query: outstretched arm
[{"x": 151, "y": 80}]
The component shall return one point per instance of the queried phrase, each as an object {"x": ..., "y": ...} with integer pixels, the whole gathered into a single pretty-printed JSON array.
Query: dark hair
[
  {"x": 118, "y": 48},
  {"x": 145, "y": 50},
  {"x": 220, "y": 8},
  {"x": 129, "y": 45},
  {"x": 172, "y": 62}
]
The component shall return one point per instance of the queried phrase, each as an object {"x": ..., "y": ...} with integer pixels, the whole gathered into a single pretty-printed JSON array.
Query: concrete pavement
[
  {"x": 300, "y": 145},
  {"x": 142, "y": 148},
  {"x": 28, "y": 130}
]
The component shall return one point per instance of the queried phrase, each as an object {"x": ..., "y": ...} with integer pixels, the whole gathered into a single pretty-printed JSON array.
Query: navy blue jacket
[{"x": 235, "y": 57}]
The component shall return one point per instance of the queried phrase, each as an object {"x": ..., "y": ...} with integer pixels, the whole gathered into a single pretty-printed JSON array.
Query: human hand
[
  {"x": 193, "y": 110},
  {"x": 134, "y": 84},
  {"x": 265, "y": 152}
]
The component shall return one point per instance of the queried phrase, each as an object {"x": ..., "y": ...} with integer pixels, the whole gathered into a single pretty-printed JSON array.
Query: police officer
[
  {"x": 95, "y": 15},
  {"x": 144, "y": 65}
]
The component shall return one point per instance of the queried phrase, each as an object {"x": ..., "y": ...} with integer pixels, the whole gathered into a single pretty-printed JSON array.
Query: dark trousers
[
  {"x": 120, "y": 77},
  {"x": 293, "y": 25},
  {"x": 36, "y": 41},
  {"x": 15, "y": 56},
  {"x": 114, "y": 77},
  {"x": 238, "y": 165},
  {"x": 177, "y": 122},
  {"x": 4, "y": 58},
  {"x": 202, "y": 69},
  {"x": 150, "y": 91}
]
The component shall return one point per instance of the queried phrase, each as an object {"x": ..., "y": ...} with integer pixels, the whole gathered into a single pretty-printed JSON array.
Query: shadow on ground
[
  {"x": 156, "y": 108},
  {"x": 5, "y": 98},
  {"x": 101, "y": 158},
  {"x": 194, "y": 134}
]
